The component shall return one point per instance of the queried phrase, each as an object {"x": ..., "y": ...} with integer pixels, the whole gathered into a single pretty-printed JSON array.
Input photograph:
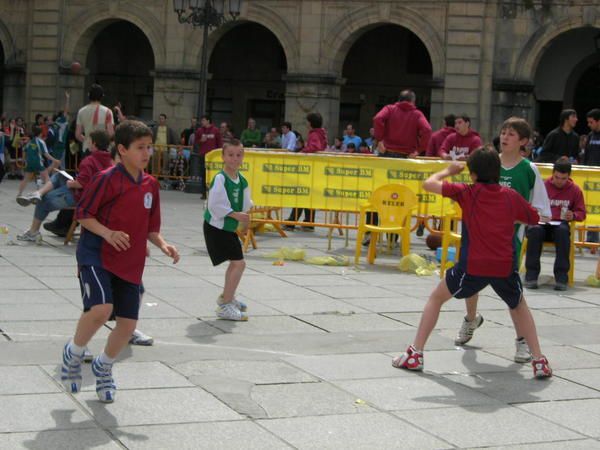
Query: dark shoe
[
  {"x": 420, "y": 230},
  {"x": 560, "y": 286},
  {"x": 289, "y": 227},
  {"x": 531, "y": 284},
  {"x": 57, "y": 230},
  {"x": 367, "y": 240}
]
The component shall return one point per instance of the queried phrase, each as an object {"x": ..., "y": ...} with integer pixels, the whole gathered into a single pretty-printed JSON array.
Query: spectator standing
[
  {"x": 207, "y": 138},
  {"x": 251, "y": 136},
  {"x": 185, "y": 134},
  {"x": 226, "y": 134},
  {"x": 438, "y": 137},
  {"x": 401, "y": 130},
  {"x": 371, "y": 142},
  {"x": 163, "y": 136},
  {"x": 351, "y": 137},
  {"x": 288, "y": 137},
  {"x": 93, "y": 116},
  {"x": 567, "y": 204},
  {"x": 459, "y": 145},
  {"x": 563, "y": 140}
]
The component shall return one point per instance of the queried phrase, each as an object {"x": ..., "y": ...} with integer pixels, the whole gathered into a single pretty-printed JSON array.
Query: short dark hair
[
  {"x": 593, "y": 114},
  {"x": 232, "y": 143},
  {"x": 100, "y": 139},
  {"x": 163, "y": 115},
  {"x": 350, "y": 145},
  {"x": 565, "y": 114},
  {"x": 407, "y": 96},
  {"x": 484, "y": 162},
  {"x": 287, "y": 124},
  {"x": 37, "y": 116},
  {"x": 206, "y": 116},
  {"x": 463, "y": 116},
  {"x": 95, "y": 93},
  {"x": 129, "y": 131},
  {"x": 363, "y": 144},
  {"x": 36, "y": 130},
  {"x": 562, "y": 165},
  {"x": 315, "y": 120},
  {"x": 520, "y": 125},
  {"x": 449, "y": 120}
]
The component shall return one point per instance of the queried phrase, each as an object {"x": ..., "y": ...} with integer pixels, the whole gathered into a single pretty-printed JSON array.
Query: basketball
[
  {"x": 75, "y": 67},
  {"x": 434, "y": 241}
]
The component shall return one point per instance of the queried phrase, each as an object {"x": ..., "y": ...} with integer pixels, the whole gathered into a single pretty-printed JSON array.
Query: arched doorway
[
  {"x": 570, "y": 86},
  {"x": 247, "y": 67},
  {"x": 381, "y": 63},
  {"x": 121, "y": 59}
]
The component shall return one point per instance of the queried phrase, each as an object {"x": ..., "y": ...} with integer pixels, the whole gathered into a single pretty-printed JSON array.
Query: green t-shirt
[
  {"x": 226, "y": 196},
  {"x": 251, "y": 137}
]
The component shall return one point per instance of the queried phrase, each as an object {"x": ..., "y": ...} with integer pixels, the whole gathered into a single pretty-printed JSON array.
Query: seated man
[
  {"x": 61, "y": 193},
  {"x": 566, "y": 202}
]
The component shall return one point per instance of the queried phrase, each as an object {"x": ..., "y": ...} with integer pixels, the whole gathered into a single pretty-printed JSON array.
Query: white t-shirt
[{"x": 93, "y": 117}]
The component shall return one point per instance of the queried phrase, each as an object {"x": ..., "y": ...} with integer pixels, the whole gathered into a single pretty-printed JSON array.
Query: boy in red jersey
[
  {"x": 487, "y": 255},
  {"x": 119, "y": 211}
]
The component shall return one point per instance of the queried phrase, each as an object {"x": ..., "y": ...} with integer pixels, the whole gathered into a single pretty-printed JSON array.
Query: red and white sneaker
[
  {"x": 411, "y": 359},
  {"x": 541, "y": 368}
]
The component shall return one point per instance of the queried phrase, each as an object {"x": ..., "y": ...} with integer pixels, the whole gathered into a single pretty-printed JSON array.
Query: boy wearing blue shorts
[
  {"x": 119, "y": 212},
  {"x": 487, "y": 254}
]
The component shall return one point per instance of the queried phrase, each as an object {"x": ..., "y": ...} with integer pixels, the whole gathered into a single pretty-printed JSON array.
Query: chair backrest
[{"x": 393, "y": 203}]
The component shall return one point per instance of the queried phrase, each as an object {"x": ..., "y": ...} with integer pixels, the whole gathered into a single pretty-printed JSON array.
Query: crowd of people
[{"x": 117, "y": 203}]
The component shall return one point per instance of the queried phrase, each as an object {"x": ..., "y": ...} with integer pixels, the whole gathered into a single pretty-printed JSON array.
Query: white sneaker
[
  {"x": 228, "y": 311},
  {"x": 237, "y": 303},
  {"x": 467, "y": 329},
  {"x": 27, "y": 199},
  {"x": 139, "y": 338},
  {"x": 30, "y": 237},
  {"x": 523, "y": 354}
]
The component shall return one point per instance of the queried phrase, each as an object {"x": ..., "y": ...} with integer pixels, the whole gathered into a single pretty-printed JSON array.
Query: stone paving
[{"x": 310, "y": 369}]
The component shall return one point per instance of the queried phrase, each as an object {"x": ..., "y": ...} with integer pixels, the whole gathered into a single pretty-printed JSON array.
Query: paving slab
[
  {"x": 25, "y": 380},
  {"x": 356, "y": 431},
  {"x": 38, "y": 311},
  {"x": 560, "y": 356},
  {"x": 61, "y": 439},
  {"x": 339, "y": 322}
]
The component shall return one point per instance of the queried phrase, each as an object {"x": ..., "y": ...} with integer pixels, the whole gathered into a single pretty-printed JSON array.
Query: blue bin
[{"x": 451, "y": 254}]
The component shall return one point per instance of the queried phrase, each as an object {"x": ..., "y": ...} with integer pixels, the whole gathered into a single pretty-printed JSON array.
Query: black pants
[
  {"x": 536, "y": 236},
  {"x": 296, "y": 213},
  {"x": 202, "y": 174},
  {"x": 64, "y": 218}
]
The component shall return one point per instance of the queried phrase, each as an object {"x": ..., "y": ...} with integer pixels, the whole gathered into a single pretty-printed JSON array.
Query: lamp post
[{"x": 206, "y": 14}]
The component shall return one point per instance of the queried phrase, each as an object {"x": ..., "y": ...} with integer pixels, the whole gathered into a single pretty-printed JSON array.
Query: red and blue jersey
[
  {"x": 489, "y": 212},
  {"x": 120, "y": 203}
]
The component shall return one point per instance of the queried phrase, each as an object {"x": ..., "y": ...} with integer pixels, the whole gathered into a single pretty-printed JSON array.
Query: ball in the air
[
  {"x": 75, "y": 67},
  {"x": 434, "y": 241}
]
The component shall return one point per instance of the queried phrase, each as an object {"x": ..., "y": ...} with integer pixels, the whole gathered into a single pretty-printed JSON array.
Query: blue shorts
[
  {"x": 462, "y": 285},
  {"x": 99, "y": 287}
]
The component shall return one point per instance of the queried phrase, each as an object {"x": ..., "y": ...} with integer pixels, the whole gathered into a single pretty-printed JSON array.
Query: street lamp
[{"x": 206, "y": 14}]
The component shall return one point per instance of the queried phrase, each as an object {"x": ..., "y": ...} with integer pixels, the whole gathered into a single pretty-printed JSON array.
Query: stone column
[
  {"x": 176, "y": 94},
  {"x": 306, "y": 93},
  {"x": 14, "y": 90}
]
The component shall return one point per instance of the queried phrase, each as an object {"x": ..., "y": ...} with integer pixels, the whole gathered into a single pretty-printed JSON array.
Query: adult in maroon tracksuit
[
  {"x": 439, "y": 136},
  {"x": 401, "y": 129},
  {"x": 207, "y": 137},
  {"x": 567, "y": 204},
  {"x": 459, "y": 145}
]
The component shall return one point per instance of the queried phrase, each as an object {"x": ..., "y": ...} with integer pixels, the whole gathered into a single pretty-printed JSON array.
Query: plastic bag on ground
[
  {"x": 592, "y": 281},
  {"x": 329, "y": 261},
  {"x": 416, "y": 264},
  {"x": 288, "y": 254}
]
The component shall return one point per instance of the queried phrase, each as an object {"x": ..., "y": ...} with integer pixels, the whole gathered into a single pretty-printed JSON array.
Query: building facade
[{"x": 285, "y": 58}]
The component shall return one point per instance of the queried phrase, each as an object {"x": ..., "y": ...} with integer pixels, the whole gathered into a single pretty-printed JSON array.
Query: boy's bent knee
[
  {"x": 238, "y": 264},
  {"x": 100, "y": 313}
]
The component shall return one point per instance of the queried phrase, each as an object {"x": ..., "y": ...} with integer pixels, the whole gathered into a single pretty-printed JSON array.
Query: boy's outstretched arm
[
  {"x": 435, "y": 181},
  {"x": 167, "y": 249}
]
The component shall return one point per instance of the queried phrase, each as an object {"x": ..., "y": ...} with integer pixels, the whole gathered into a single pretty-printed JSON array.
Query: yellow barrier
[{"x": 344, "y": 182}]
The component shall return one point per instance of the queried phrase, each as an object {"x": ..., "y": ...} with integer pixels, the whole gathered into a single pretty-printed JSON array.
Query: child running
[
  {"x": 228, "y": 201},
  {"x": 487, "y": 254},
  {"x": 119, "y": 212},
  {"x": 35, "y": 151}
]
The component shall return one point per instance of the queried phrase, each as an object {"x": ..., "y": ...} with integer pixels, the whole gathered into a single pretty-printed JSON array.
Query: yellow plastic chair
[
  {"x": 450, "y": 235},
  {"x": 572, "y": 227},
  {"x": 393, "y": 204}
]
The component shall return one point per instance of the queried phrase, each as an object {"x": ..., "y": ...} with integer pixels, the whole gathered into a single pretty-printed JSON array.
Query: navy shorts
[
  {"x": 99, "y": 287},
  {"x": 462, "y": 285}
]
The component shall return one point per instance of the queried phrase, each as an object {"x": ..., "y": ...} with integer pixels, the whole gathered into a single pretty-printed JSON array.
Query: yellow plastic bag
[
  {"x": 329, "y": 261},
  {"x": 288, "y": 254},
  {"x": 416, "y": 264},
  {"x": 592, "y": 281}
]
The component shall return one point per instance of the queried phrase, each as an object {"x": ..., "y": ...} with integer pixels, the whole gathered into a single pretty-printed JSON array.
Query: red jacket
[
  {"x": 213, "y": 139},
  {"x": 316, "y": 141},
  {"x": 437, "y": 139},
  {"x": 461, "y": 145},
  {"x": 90, "y": 165},
  {"x": 570, "y": 196},
  {"x": 402, "y": 128}
]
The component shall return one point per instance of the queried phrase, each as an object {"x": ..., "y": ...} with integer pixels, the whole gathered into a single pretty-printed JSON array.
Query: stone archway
[{"x": 247, "y": 68}]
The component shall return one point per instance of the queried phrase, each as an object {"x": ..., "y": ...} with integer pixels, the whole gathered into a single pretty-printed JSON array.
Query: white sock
[
  {"x": 76, "y": 349},
  {"x": 104, "y": 359}
]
